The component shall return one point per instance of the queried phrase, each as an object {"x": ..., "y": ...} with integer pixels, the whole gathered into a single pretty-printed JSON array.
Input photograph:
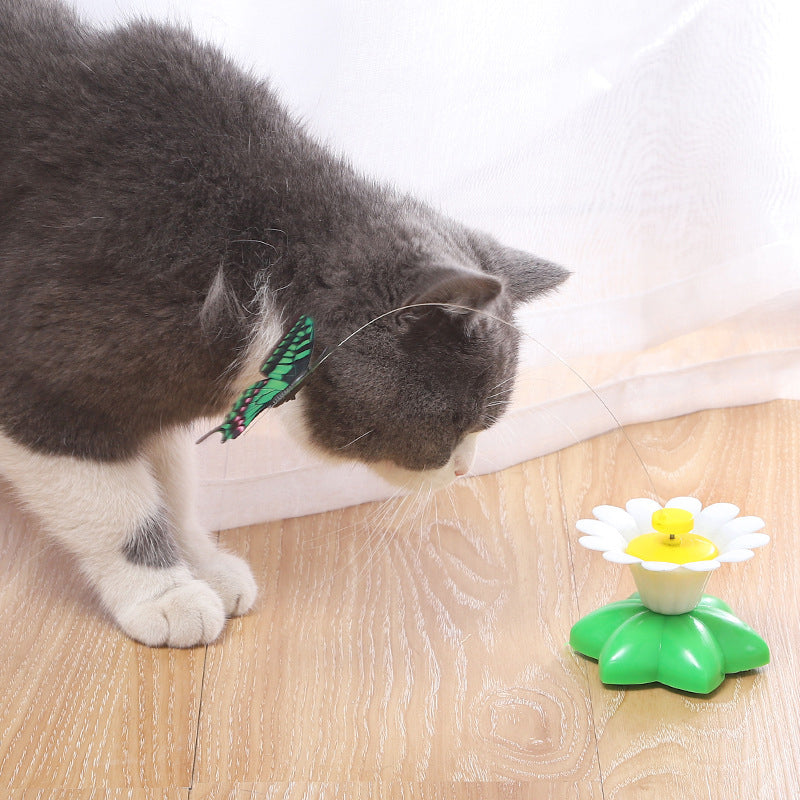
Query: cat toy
[
  {"x": 285, "y": 370},
  {"x": 669, "y": 632}
]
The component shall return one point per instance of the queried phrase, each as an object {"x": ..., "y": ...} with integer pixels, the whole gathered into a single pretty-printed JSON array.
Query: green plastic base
[{"x": 692, "y": 652}]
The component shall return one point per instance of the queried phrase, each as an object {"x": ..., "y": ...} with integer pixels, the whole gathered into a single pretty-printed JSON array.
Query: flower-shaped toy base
[{"x": 692, "y": 652}]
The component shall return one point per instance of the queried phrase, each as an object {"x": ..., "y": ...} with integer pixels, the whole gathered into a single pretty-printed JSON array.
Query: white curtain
[{"x": 653, "y": 148}]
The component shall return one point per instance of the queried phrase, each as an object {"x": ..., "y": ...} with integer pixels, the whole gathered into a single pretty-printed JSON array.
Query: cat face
[{"x": 412, "y": 389}]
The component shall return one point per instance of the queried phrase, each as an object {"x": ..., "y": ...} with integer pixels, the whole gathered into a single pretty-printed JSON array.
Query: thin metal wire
[{"x": 326, "y": 355}]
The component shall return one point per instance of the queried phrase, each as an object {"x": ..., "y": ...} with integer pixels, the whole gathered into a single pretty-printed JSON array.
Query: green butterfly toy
[{"x": 285, "y": 370}]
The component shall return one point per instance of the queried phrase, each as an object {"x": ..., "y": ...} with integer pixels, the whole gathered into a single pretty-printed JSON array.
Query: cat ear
[
  {"x": 525, "y": 276},
  {"x": 454, "y": 290}
]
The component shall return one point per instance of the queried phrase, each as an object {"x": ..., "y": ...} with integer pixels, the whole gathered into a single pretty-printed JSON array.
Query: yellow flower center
[{"x": 673, "y": 541}]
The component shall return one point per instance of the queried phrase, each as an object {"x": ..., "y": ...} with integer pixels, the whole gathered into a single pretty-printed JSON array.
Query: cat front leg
[
  {"x": 111, "y": 515},
  {"x": 173, "y": 460}
]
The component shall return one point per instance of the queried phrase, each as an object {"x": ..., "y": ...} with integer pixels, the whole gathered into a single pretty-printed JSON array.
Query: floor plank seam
[
  {"x": 199, "y": 711},
  {"x": 199, "y": 719}
]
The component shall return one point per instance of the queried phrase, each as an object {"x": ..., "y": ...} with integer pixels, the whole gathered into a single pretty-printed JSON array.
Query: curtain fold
[{"x": 653, "y": 149}]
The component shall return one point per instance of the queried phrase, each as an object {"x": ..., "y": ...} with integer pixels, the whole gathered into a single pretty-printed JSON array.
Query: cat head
[{"x": 409, "y": 392}]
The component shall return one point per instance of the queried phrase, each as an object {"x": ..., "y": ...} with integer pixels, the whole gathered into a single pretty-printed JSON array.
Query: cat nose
[{"x": 461, "y": 466}]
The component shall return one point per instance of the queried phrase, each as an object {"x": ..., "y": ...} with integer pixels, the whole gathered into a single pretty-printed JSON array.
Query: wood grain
[
  {"x": 410, "y": 652},
  {"x": 439, "y": 651},
  {"x": 82, "y": 705}
]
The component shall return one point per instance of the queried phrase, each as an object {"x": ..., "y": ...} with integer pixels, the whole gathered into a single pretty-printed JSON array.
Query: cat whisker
[
  {"x": 365, "y": 527},
  {"x": 421, "y": 512},
  {"x": 411, "y": 507},
  {"x": 384, "y": 538},
  {"x": 376, "y": 519},
  {"x": 421, "y": 531},
  {"x": 405, "y": 510},
  {"x": 502, "y": 383},
  {"x": 381, "y": 519},
  {"x": 254, "y": 241},
  {"x": 448, "y": 490},
  {"x": 345, "y": 446},
  {"x": 381, "y": 508},
  {"x": 451, "y": 497}
]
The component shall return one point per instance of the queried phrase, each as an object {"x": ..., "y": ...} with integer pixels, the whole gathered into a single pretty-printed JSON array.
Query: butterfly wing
[
  {"x": 285, "y": 369},
  {"x": 291, "y": 359}
]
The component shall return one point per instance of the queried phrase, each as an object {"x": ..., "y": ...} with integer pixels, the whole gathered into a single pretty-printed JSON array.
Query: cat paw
[
  {"x": 230, "y": 577},
  {"x": 186, "y": 615}
]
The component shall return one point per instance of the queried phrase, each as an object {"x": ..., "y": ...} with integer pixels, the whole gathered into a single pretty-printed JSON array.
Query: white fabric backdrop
[{"x": 653, "y": 148}]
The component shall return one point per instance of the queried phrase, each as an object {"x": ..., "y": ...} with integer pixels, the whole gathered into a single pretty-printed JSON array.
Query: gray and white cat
[{"x": 162, "y": 220}]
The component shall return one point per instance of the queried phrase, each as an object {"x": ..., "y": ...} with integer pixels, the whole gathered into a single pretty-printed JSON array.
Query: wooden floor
[{"x": 390, "y": 657}]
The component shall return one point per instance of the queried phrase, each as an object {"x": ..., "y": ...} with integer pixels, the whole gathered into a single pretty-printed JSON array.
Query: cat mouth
[
  {"x": 415, "y": 480},
  {"x": 459, "y": 465}
]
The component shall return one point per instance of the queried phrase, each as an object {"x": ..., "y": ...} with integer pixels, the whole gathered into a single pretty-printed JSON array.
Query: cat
[{"x": 163, "y": 219}]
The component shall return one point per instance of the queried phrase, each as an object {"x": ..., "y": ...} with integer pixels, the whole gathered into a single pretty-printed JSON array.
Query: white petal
[
  {"x": 594, "y": 527},
  {"x": 620, "y": 557},
  {"x": 690, "y": 504},
  {"x": 619, "y": 519},
  {"x": 660, "y": 566},
  {"x": 596, "y": 543},
  {"x": 714, "y": 517},
  {"x": 642, "y": 510},
  {"x": 707, "y": 565},
  {"x": 735, "y": 528},
  {"x": 735, "y": 556},
  {"x": 748, "y": 541}
]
